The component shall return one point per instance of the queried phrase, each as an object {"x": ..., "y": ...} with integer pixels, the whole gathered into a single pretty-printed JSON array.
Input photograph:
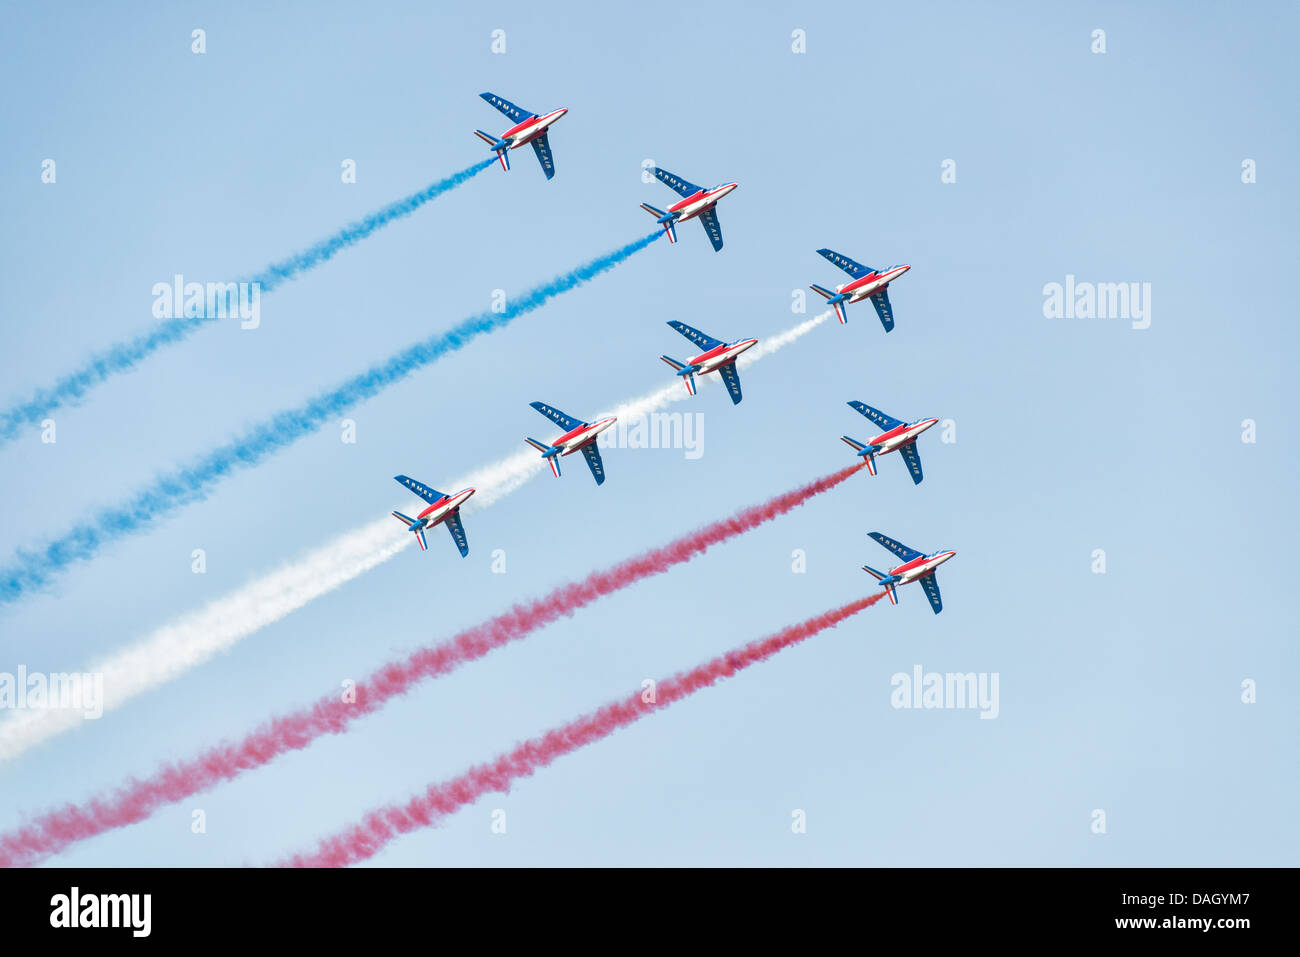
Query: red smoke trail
[
  {"x": 55, "y": 830},
  {"x": 382, "y": 826}
]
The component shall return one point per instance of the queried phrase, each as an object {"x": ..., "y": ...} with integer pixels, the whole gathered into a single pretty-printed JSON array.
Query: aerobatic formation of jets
[{"x": 717, "y": 356}]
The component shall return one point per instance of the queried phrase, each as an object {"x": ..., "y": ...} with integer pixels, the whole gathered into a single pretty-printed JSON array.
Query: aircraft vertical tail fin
[
  {"x": 869, "y": 457},
  {"x": 888, "y": 581},
  {"x": 549, "y": 452},
  {"x": 670, "y": 227},
  {"x": 838, "y": 305},
  {"x": 502, "y": 147},
  {"x": 679, "y": 367}
]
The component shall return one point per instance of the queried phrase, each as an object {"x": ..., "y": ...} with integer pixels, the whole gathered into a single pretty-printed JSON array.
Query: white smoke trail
[{"x": 190, "y": 640}]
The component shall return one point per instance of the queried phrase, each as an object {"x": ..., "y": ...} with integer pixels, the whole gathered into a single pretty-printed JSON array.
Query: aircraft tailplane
[{"x": 670, "y": 227}]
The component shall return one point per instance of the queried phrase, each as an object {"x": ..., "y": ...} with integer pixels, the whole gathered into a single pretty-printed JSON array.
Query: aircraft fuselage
[
  {"x": 575, "y": 439},
  {"x": 523, "y": 133},
  {"x": 900, "y": 435},
  {"x": 719, "y": 356},
  {"x": 920, "y": 566},
  {"x": 866, "y": 286},
  {"x": 696, "y": 203},
  {"x": 445, "y": 506}
]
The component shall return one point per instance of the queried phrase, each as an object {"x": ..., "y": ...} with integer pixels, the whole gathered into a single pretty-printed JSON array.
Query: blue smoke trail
[
  {"x": 33, "y": 570},
  {"x": 126, "y": 355}
]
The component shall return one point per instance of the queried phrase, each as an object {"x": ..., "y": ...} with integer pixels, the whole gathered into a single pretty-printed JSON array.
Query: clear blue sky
[{"x": 1118, "y": 691}]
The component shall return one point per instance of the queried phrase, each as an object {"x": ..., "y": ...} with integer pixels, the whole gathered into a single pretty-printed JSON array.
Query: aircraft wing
[
  {"x": 430, "y": 495},
  {"x": 875, "y": 415},
  {"x": 913, "y": 459},
  {"x": 886, "y": 313},
  {"x": 542, "y": 147},
  {"x": 732, "y": 378},
  {"x": 700, "y": 339},
  {"x": 592, "y": 455},
  {"x": 931, "y": 585},
  {"x": 709, "y": 220},
  {"x": 566, "y": 422},
  {"x": 675, "y": 182},
  {"x": 457, "y": 530},
  {"x": 898, "y": 548},
  {"x": 854, "y": 269},
  {"x": 518, "y": 114}
]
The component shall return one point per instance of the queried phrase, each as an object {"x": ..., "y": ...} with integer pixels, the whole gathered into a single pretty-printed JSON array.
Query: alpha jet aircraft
[
  {"x": 867, "y": 283},
  {"x": 581, "y": 436},
  {"x": 528, "y": 128},
  {"x": 695, "y": 203},
  {"x": 898, "y": 437},
  {"x": 718, "y": 356},
  {"x": 916, "y": 567},
  {"x": 443, "y": 509}
]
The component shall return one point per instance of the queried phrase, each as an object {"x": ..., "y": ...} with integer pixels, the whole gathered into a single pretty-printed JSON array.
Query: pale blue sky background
[{"x": 1118, "y": 691}]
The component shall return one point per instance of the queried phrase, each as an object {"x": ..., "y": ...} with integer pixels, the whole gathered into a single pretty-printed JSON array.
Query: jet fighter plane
[
  {"x": 528, "y": 128},
  {"x": 443, "y": 509},
  {"x": 581, "y": 436},
  {"x": 695, "y": 203},
  {"x": 898, "y": 436},
  {"x": 867, "y": 283},
  {"x": 916, "y": 566},
  {"x": 718, "y": 356}
]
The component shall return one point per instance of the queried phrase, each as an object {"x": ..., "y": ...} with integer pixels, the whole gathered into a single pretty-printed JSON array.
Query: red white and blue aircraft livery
[
  {"x": 528, "y": 128},
  {"x": 867, "y": 283},
  {"x": 444, "y": 509},
  {"x": 916, "y": 567},
  {"x": 898, "y": 437},
  {"x": 581, "y": 436},
  {"x": 718, "y": 356},
  {"x": 695, "y": 203}
]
